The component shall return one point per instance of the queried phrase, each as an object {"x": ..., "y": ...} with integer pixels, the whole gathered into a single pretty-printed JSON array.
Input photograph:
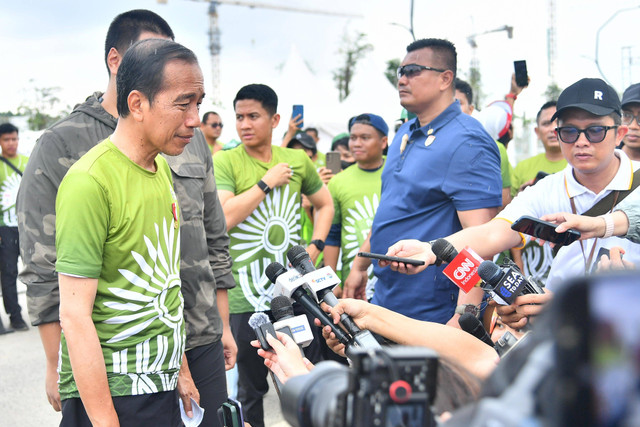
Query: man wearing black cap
[
  {"x": 589, "y": 128},
  {"x": 356, "y": 194},
  {"x": 631, "y": 118}
]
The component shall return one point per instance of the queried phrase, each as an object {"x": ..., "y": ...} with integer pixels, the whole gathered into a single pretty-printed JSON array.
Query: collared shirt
[
  {"x": 552, "y": 194},
  {"x": 448, "y": 165}
]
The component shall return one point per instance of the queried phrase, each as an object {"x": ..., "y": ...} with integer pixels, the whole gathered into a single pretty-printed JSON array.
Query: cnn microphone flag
[{"x": 463, "y": 269}]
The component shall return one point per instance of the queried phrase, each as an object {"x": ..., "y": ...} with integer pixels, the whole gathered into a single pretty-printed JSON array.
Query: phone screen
[
  {"x": 520, "y": 68},
  {"x": 544, "y": 230}
]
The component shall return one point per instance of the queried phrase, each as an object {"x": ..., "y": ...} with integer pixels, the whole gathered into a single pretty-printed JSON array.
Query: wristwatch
[
  {"x": 468, "y": 308},
  {"x": 264, "y": 187},
  {"x": 319, "y": 244}
]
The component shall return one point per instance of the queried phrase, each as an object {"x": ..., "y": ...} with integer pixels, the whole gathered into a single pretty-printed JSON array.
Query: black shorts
[{"x": 155, "y": 409}]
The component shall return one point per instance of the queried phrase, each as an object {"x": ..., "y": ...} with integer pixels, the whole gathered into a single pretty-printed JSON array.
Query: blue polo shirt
[{"x": 448, "y": 165}]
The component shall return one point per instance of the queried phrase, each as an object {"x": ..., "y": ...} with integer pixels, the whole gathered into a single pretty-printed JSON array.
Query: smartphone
[
  {"x": 391, "y": 258},
  {"x": 544, "y": 230},
  {"x": 298, "y": 110},
  {"x": 522, "y": 78},
  {"x": 230, "y": 414},
  {"x": 539, "y": 176},
  {"x": 334, "y": 164},
  {"x": 596, "y": 351}
]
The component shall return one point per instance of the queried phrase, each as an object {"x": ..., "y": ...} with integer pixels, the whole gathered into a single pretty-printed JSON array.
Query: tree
[
  {"x": 39, "y": 108},
  {"x": 352, "y": 50},
  {"x": 475, "y": 83},
  {"x": 553, "y": 92},
  {"x": 392, "y": 71}
]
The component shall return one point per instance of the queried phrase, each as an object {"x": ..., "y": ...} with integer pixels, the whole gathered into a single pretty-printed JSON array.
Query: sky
[{"x": 60, "y": 43}]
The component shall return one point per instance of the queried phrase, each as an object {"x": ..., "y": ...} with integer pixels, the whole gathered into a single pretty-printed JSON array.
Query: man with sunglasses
[
  {"x": 442, "y": 174},
  {"x": 631, "y": 118},
  {"x": 589, "y": 128},
  {"x": 211, "y": 127}
]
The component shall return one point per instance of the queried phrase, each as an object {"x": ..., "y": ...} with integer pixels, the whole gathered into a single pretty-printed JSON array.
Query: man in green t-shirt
[
  {"x": 11, "y": 169},
  {"x": 259, "y": 187},
  {"x": 533, "y": 259},
  {"x": 356, "y": 194},
  {"x": 118, "y": 249}
]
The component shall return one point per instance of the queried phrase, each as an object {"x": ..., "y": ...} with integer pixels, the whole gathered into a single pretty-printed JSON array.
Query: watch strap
[
  {"x": 264, "y": 187},
  {"x": 318, "y": 243}
]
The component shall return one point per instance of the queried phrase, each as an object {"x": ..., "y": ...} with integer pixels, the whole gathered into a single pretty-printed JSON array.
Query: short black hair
[
  {"x": 261, "y": 93},
  {"x": 143, "y": 66},
  {"x": 444, "y": 50},
  {"x": 125, "y": 30},
  {"x": 546, "y": 105},
  {"x": 7, "y": 128},
  {"x": 465, "y": 88},
  {"x": 207, "y": 114}
]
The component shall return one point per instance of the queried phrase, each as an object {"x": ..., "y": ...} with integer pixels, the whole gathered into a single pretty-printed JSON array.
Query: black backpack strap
[
  {"x": 604, "y": 205},
  {"x": 11, "y": 165}
]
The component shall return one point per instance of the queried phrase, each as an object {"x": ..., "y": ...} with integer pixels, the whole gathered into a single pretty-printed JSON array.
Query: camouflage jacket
[{"x": 205, "y": 264}]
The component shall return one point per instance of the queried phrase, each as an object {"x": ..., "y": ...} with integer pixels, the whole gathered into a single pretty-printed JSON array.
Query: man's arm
[
  {"x": 85, "y": 354},
  {"x": 238, "y": 208},
  {"x": 228, "y": 343},
  {"x": 50, "y": 337},
  {"x": 356, "y": 283},
  {"x": 323, "y": 208}
]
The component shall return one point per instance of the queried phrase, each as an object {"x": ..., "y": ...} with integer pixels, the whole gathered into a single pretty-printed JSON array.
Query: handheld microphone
[
  {"x": 275, "y": 270},
  {"x": 298, "y": 326},
  {"x": 444, "y": 251},
  {"x": 506, "y": 282},
  {"x": 470, "y": 323},
  {"x": 260, "y": 324},
  {"x": 462, "y": 268},
  {"x": 301, "y": 261}
]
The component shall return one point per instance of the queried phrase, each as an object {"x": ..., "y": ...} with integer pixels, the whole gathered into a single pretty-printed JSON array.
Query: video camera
[{"x": 384, "y": 387}]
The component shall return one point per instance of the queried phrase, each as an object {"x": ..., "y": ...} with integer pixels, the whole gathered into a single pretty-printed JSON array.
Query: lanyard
[{"x": 587, "y": 261}]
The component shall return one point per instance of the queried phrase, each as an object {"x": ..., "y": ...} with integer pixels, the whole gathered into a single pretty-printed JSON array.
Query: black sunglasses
[
  {"x": 216, "y": 125},
  {"x": 411, "y": 70},
  {"x": 570, "y": 134}
]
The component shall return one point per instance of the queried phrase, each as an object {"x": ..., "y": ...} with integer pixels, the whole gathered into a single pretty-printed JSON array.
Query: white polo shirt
[{"x": 551, "y": 195}]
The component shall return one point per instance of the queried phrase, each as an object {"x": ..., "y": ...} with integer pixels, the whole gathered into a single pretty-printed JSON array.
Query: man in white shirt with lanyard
[{"x": 589, "y": 128}]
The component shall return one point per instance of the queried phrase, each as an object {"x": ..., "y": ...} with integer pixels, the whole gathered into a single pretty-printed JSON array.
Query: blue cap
[{"x": 371, "y": 120}]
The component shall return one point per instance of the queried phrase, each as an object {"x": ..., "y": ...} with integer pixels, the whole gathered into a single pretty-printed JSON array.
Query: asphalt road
[{"x": 22, "y": 365}]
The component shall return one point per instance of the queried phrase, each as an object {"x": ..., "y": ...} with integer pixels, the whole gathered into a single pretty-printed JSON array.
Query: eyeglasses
[
  {"x": 570, "y": 134},
  {"x": 628, "y": 117},
  {"x": 411, "y": 70},
  {"x": 216, "y": 125}
]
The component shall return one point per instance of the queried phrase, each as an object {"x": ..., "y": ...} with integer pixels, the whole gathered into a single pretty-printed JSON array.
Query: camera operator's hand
[
  {"x": 518, "y": 314},
  {"x": 409, "y": 249},
  {"x": 278, "y": 175},
  {"x": 286, "y": 362}
]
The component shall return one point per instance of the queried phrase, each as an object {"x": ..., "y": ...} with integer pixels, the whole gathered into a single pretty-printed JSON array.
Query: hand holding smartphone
[
  {"x": 409, "y": 261},
  {"x": 544, "y": 230}
]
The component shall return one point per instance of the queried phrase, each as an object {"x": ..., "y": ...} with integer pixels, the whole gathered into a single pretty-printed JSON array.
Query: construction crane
[
  {"x": 551, "y": 41},
  {"x": 215, "y": 43},
  {"x": 474, "y": 45}
]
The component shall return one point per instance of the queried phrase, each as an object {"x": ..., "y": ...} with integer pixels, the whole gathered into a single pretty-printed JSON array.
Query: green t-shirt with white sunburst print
[
  {"x": 272, "y": 228},
  {"x": 118, "y": 222},
  {"x": 356, "y": 195},
  {"x": 9, "y": 184}
]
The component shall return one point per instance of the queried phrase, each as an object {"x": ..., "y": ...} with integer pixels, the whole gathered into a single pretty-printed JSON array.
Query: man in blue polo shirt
[{"x": 442, "y": 175}]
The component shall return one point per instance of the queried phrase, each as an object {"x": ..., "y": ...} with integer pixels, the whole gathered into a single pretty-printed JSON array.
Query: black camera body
[{"x": 394, "y": 386}]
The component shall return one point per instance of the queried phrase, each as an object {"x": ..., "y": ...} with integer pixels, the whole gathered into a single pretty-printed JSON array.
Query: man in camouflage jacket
[{"x": 205, "y": 267}]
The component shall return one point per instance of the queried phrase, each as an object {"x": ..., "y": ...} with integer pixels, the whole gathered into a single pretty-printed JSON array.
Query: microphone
[
  {"x": 463, "y": 266},
  {"x": 275, "y": 270},
  {"x": 301, "y": 261},
  {"x": 507, "y": 282},
  {"x": 297, "y": 327},
  {"x": 444, "y": 251},
  {"x": 469, "y": 323},
  {"x": 260, "y": 324}
]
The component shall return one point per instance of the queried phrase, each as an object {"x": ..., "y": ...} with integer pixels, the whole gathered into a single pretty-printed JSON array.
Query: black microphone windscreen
[
  {"x": 274, "y": 270},
  {"x": 281, "y": 307},
  {"x": 468, "y": 322},
  {"x": 295, "y": 251},
  {"x": 490, "y": 272},
  {"x": 444, "y": 250}
]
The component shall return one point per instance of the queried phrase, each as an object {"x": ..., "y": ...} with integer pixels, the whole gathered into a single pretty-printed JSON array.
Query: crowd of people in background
[{"x": 145, "y": 239}]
